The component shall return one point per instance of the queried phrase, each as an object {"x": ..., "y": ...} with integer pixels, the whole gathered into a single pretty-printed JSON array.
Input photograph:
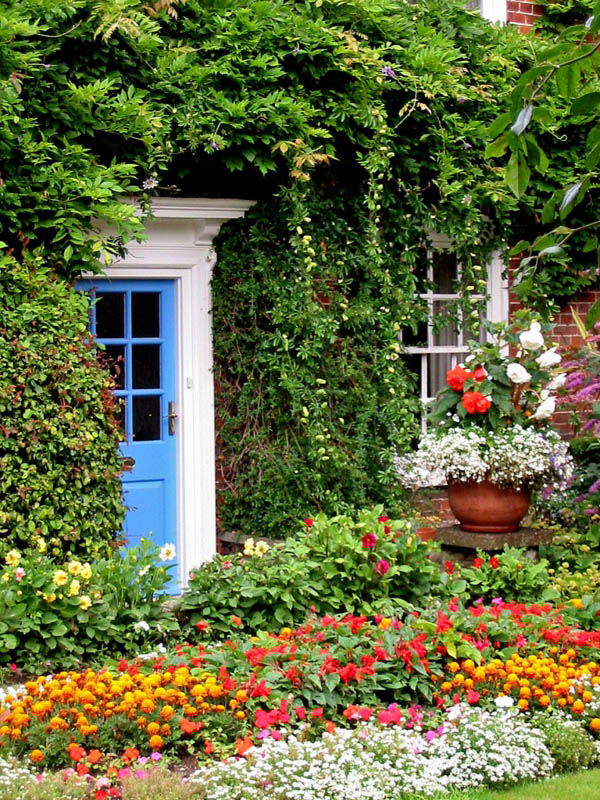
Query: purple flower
[
  {"x": 214, "y": 145},
  {"x": 388, "y": 72},
  {"x": 594, "y": 487},
  {"x": 497, "y": 601},
  {"x": 590, "y": 511},
  {"x": 468, "y": 145},
  {"x": 297, "y": 48},
  {"x": 460, "y": 100},
  {"x": 574, "y": 380}
]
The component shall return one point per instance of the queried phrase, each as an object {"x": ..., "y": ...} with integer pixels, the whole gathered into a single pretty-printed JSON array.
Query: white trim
[
  {"x": 493, "y": 10},
  {"x": 178, "y": 246}
]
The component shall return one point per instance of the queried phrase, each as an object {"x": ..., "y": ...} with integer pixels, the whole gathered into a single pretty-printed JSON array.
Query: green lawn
[{"x": 577, "y": 786}]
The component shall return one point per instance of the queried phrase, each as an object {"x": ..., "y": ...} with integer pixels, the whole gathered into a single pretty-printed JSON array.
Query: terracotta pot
[
  {"x": 425, "y": 534},
  {"x": 487, "y": 508}
]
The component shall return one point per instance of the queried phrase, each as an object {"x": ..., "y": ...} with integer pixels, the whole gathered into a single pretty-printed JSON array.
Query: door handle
[{"x": 172, "y": 416}]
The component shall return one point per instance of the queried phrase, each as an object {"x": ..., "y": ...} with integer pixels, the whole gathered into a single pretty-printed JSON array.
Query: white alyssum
[
  {"x": 510, "y": 457},
  {"x": 477, "y": 748}
]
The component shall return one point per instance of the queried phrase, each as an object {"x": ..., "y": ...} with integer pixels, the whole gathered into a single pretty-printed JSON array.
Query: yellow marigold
[
  {"x": 13, "y": 558},
  {"x": 60, "y": 577},
  {"x": 241, "y": 696},
  {"x": 85, "y": 602},
  {"x": 156, "y": 742},
  {"x": 74, "y": 567},
  {"x": 523, "y": 704},
  {"x": 595, "y": 724},
  {"x": 74, "y": 588},
  {"x": 36, "y": 756},
  {"x": 152, "y": 728},
  {"x": 578, "y": 707},
  {"x": 453, "y": 666},
  {"x": 167, "y": 713},
  {"x": 544, "y": 701}
]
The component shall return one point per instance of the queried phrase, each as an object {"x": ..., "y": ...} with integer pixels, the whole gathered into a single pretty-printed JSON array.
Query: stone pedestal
[{"x": 460, "y": 546}]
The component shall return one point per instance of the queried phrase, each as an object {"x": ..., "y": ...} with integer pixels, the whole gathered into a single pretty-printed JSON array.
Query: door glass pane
[
  {"x": 146, "y": 418},
  {"x": 144, "y": 314},
  {"x": 110, "y": 315},
  {"x": 417, "y": 339},
  {"x": 444, "y": 272},
  {"x": 145, "y": 363},
  {"x": 438, "y": 365},
  {"x": 444, "y": 323},
  {"x": 114, "y": 357}
]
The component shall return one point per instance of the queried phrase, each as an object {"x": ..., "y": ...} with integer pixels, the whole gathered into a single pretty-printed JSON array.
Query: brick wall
[{"x": 522, "y": 14}]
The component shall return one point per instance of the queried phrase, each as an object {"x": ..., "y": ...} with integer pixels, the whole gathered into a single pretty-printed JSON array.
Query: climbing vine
[{"x": 358, "y": 126}]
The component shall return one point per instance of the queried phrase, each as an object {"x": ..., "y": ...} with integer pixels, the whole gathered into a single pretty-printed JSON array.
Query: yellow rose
[
  {"x": 261, "y": 548},
  {"x": 249, "y": 547},
  {"x": 41, "y": 545},
  {"x": 86, "y": 572},
  {"x": 74, "y": 588},
  {"x": 50, "y": 598},
  {"x": 85, "y": 602},
  {"x": 74, "y": 567}
]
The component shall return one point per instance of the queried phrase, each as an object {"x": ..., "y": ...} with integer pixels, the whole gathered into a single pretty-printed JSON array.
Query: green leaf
[
  {"x": 10, "y": 641},
  {"x": 586, "y": 103},
  {"x": 590, "y": 244},
  {"x": 499, "y": 124},
  {"x": 519, "y": 248},
  {"x": 517, "y": 175},
  {"x": 593, "y": 315},
  {"x": 592, "y": 157},
  {"x": 567, "y": 80},
  {"x": 497, "y": 148}
]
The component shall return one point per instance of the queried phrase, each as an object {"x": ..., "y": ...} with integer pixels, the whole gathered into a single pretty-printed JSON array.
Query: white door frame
[{"x": 179, "y": 247}]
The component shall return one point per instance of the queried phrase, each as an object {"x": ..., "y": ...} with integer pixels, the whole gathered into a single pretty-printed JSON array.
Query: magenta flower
[
  {"x": 369, "y": 540},
  {"x": 381, "y": 567}
]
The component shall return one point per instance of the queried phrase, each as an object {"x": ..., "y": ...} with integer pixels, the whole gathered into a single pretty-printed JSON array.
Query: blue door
[{"x": 135, "y": 320}]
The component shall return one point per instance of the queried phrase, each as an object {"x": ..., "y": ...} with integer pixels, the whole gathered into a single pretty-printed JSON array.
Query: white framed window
[{"x": 440, "y": 342}]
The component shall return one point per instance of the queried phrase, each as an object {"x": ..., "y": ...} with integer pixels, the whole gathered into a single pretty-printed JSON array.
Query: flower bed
[{"x": 217, "y": 700}]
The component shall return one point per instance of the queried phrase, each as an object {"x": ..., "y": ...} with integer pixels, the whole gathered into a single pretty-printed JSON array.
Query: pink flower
[
  {"x": 308, "y": 522},
  {"x": 381, "y": 567},
  {"x": 369, "y": 541},
  {"x": 276, "y": 735},
  {"x": 155, "y": 756},
  {"x": 124, "y": 772},
  {"x": 19, "y": 573}
]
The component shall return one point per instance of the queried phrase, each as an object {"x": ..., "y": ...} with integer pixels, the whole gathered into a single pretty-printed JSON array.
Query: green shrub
[
  {"x": 62, "y": 614},
  {"x": 572, "y": 748},
  {"x": 338, "y": 564},
  {"x": 510, "y": 575},
  {"x": 59, "y": 463}
]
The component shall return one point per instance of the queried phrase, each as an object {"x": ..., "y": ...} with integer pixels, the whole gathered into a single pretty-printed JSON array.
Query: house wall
[{"x": 523, "y": 14}]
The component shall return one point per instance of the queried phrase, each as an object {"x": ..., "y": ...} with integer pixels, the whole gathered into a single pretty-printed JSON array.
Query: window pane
[
  {"x": 146, "y": 418},
  {"x": 444, "y": 322},
  {"x": 145, "y": 362},
  {"x": 144, "y": 314},
  {"x": 444, "y": 272},
  {"x": 438, "y": 365},
  {"x": 417, "y": 339},
  {"x": 114, "y": 356},
  {"x": 110, "y": 315}
]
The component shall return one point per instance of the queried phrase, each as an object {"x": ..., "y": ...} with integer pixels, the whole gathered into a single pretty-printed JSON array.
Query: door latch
[{"x": 172, "y": 416}]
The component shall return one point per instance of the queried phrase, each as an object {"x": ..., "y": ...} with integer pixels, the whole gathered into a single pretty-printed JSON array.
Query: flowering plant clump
[
  {"x": 469, "y": 750},
  {"x": 366, "y": 564},
  {"x": 61, "y": 613},
  {"x": 491, "y": 421}
]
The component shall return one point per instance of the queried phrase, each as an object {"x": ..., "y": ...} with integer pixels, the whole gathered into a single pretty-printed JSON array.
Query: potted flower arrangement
[{"x": 489, "y": 428}]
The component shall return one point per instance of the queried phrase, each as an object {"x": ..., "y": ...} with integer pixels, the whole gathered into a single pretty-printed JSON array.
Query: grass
[{"x": 576, "y": 786}]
